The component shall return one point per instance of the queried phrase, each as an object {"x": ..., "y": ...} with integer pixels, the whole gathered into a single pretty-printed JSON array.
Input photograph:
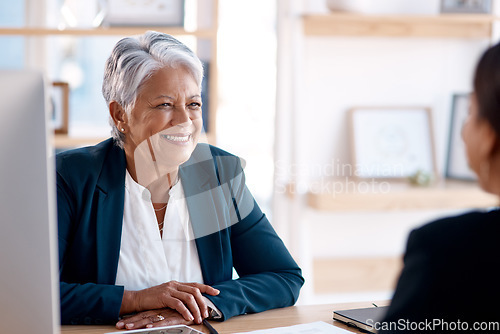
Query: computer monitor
[{"x": 29, "y": 288}]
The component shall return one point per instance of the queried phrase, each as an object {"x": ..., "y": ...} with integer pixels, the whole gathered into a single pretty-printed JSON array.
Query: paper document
[{"x": 318, "y": 327}]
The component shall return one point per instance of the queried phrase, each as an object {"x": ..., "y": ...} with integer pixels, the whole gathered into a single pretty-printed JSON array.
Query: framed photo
[
  {"x": 457, "y": 166},
  {"x": 145, "y": 13},
  {"x": 59, "y": 103},
  {"x": 466, "y": 6},
  {"x": 392, "y": 142}
]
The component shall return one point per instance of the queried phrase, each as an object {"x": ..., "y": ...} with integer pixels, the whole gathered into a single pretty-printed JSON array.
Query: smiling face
[{"x": 164, "y": 125}]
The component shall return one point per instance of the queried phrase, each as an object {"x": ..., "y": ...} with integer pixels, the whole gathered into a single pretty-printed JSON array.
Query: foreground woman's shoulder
[{"x": 451, "y": 232}]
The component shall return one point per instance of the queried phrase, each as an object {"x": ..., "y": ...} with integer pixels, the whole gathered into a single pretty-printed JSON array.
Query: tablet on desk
[
  {"x": 179, "y": 329},
  {"x": 361, "y": 318}
]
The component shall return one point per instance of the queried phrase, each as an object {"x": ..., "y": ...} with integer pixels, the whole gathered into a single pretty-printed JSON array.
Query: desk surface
[{"x": 274, "y": 318}]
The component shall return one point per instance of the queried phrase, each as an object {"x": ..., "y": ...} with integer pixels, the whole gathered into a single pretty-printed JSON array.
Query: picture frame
[
  {"x": 466, "y": 6},
  {"x": 145, "y": 13},
  {"x": 457, "y": 166},
  {"x": 392, "y": 142},
  {"x": 205, "y": 96},
  {"x": 59, "y": 104}
]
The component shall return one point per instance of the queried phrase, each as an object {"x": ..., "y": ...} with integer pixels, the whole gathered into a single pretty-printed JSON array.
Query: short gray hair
[{"x": 134, "y": 60}]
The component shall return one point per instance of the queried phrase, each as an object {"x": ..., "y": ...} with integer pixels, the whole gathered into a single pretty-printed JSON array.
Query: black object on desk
[
  {"x": 209, "y": 326},
  {"x": 361, "y": 318}
]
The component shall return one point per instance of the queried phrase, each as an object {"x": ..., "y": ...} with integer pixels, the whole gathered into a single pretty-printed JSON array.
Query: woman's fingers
[
  {"x": 183, "y": 303},
  {"x": 193, "y": 300},
  {"x": 136, "y": 320},
  {"x": 203, "y": 288},
  {"x": 167, "y": 304},
  {"x": 153, "y": 318},
  {"x": 198, "y": 302},
  {"x": 196, "y": 290},
  {"x": 186, "y": 298}
]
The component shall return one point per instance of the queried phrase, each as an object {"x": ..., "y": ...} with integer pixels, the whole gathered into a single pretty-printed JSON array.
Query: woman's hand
[
  {"x": 185, "y": 298},
  {"x": 153, "y": 318}
]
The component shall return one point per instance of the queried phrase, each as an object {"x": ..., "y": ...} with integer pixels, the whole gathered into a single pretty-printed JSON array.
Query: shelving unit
[
  {"x": 446, "y": 25},
  {"x": 117, "y": 31},
  {"x": 203, "y": 33},
  {"x": 403, "y": 196},
  {"x": 446, "y": 195},
  {"x": 64, "y": 141},
  {"x": 339, "y": 238}
]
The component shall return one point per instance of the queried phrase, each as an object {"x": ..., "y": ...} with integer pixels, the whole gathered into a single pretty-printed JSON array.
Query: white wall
[
  {"x": 247, "y": 89},
  {"x": 341, "y": 73}
]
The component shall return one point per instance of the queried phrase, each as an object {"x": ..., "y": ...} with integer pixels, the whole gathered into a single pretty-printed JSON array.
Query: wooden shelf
[
  {"x": 118, "y": 31},
  {"x": 210, "y": 33},
  {"x": 64, "y": 141},
  {"x": 446, "y": 25},
  {"x": 402, "y": 196}
]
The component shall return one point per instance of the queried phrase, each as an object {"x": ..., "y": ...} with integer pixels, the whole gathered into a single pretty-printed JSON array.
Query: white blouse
[{"x": 146, "y": 258}]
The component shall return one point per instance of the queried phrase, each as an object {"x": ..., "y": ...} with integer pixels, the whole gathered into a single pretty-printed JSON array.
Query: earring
[{"x": 123, "y": 130}]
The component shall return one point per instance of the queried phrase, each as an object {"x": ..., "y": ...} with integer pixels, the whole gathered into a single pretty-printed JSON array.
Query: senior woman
[
  {"x": 152, "y": 223},
  {"x": 449, "y": 282}
]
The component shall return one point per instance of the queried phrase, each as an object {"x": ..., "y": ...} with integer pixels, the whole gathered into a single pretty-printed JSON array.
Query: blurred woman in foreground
[{"x": 450, "y": 278}]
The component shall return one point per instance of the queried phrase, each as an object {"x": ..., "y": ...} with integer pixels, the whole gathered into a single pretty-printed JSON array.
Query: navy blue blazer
[{"x": 230, "y": 230}]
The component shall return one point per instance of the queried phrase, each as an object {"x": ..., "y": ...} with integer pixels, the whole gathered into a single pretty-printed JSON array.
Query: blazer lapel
[
  {"x": 110, "y": 194},
  {"x": 208, "y": 214}
]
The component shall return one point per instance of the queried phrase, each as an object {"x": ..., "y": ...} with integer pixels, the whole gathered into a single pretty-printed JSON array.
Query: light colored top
[{"x": 146, "y": 258}]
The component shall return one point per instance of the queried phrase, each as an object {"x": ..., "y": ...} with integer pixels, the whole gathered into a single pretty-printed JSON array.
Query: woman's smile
[{"x": 177, "y": 138}]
